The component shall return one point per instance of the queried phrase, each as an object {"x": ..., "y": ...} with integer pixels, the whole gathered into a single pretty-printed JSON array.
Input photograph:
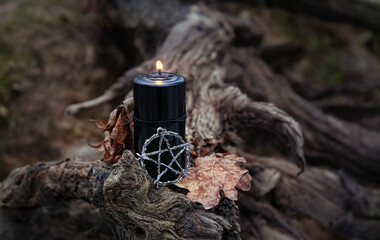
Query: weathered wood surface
[
  {"x": 133, "y": 207},
  {"x": 216, "y": 52},
  {"x": 207, "y": 46},
  {"x": 228, "y": 90},
  {"x": 333, "y": 200}
]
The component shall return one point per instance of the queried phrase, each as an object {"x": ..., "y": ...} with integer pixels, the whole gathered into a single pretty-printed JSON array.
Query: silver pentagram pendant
[{"x": 162, "y": 136}]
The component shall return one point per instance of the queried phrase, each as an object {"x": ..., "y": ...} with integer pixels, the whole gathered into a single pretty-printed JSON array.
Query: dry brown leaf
[
  {"x": 118, "y": 133},
  {"x": 208, "y": 146},
  {"x": 213, "y": 174},
  {"x": 203, "y": 147}
]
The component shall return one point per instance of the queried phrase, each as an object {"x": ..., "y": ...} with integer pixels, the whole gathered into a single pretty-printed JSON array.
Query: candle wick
[{"x": 159, "y": 72}]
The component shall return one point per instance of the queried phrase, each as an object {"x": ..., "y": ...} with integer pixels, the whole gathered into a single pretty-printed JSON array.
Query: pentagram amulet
[{"x": 164, "y": 157}]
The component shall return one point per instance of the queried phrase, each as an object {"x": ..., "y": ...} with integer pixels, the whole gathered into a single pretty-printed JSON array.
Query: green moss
[
  {"x": 315, "y": 43},
  {"x": 319, "y": 39},
  {"x": 25, "y": 17},
  {"x": 332, "y": 71},
  {"x": 315, "y": 36},
  {"x": 4, "y": 169},
  {"x": 5, "y": 57},
  {"x": 17, "y": 24},
  {"x": 2, "y": 2}
]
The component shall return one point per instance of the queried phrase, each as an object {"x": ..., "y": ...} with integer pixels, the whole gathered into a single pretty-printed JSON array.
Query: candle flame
[{"x": 159, "y": 65}]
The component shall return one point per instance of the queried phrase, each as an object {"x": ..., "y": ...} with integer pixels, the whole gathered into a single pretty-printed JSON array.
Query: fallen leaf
[
  {"x": 213, "y": 174},
  {"x": 118, "y": 132},
  {"x": 208, "y": 147},
  {"x": 204, "y": 147}
]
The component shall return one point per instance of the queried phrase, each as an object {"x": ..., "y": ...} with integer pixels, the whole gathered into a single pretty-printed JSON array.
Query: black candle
[{"x": 159, "y": 100}]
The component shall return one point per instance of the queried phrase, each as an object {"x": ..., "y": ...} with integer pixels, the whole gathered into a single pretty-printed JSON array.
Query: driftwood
[{"x": 227, "y": 85}]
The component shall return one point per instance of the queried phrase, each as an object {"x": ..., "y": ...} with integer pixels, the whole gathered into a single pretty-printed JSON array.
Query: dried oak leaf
[
  {"x": 118, "y": 132},
  {"x": 213, "y": 174},
  {"x": 203, "y": 147}
]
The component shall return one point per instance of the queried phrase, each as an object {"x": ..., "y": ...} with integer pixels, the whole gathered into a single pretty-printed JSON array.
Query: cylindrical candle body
[{"x": 159, "y": 102}]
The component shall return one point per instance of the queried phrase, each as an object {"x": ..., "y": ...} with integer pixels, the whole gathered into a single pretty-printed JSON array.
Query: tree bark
[
  {"x": 133, "y": 207},
  {"x": 332, "y": 199}
]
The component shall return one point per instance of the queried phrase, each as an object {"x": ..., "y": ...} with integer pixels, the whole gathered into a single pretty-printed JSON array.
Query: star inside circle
[{"x": 162, "y": 135}]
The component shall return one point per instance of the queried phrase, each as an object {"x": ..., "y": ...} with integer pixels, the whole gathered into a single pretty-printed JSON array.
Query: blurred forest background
[{"x": 56, "y": 53}]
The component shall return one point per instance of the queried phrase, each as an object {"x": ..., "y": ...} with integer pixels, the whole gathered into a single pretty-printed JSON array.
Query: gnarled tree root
[{"x": 133, "y": 207}]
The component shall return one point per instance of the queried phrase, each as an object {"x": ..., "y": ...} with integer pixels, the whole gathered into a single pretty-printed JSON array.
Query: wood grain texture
[
  {"x": 229, "y": 91},
  {"x": 134, "y": 208}
]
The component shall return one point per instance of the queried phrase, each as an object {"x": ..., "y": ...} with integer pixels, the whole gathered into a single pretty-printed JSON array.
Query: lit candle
[
  {"x": 159, "y": 67},
  {"x": 159, "y": 100}
]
